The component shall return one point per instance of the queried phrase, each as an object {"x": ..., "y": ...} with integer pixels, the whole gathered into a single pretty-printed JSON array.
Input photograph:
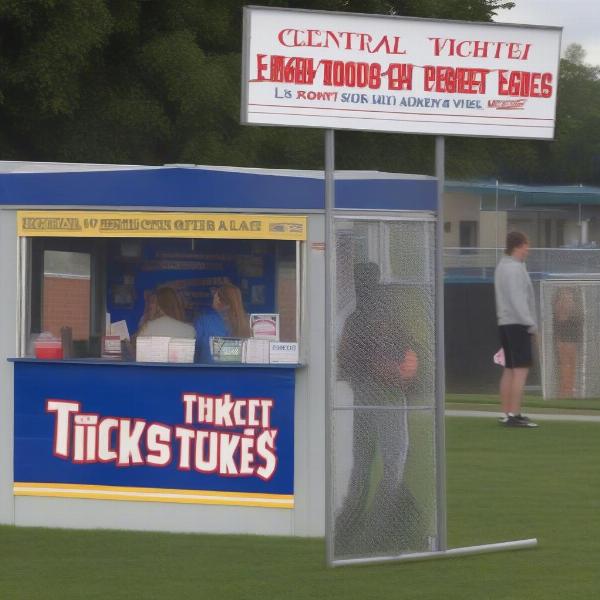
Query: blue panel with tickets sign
[{"x": 155, "y": 433}]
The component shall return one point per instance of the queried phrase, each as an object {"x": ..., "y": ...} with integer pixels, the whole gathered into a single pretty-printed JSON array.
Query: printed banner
[
  {"x": 155, "y": 434},
  {"x": 383, "y": 73},
  {"x": 61, "y": 223}
]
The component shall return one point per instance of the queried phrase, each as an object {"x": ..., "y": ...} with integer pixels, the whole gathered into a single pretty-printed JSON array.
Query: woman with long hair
[
  {"x": 167, "y": 318},
  {"x": 228, "y": 318},
  {"x": 568, "y": 335},
  {"x": 227, "y": 301}
]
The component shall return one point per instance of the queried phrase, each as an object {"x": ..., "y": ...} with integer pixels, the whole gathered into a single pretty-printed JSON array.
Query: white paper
[
  {"x": 120, "y": 328},
  {"x": 181, "y": 350},
  {"x": 112, "y": 345},
  {"x": 256, "y": 351},
  {"x": 283, "y": 352},
  {"x": 152, "y": 349}
]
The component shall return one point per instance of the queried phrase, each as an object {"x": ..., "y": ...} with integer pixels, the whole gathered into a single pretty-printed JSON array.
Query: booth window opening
[{"x": 120, "y": 298}]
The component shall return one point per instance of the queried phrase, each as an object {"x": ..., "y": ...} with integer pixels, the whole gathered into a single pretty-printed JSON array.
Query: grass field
[
  {"x": 503, "y": 484},
  {"x": 530, "y": 401}
]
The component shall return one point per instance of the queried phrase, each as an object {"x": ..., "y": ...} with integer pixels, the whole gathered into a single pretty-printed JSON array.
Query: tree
[{"x": 158, "y": 81}]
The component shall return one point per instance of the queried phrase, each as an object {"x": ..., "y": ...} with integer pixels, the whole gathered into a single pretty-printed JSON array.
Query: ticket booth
[{"x": 103, "y": 425}]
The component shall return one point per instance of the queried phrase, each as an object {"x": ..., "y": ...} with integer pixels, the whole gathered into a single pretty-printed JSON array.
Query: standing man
[
  {"x": 515, "y": 308},
  {"x": 376, "y": 357}
]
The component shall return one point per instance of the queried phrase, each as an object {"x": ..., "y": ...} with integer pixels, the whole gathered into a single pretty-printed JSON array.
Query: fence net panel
[
  {"x": 383, "y": 422},
  {"x": 570, "y": 322},
  {"x": 471, "y": 326}
]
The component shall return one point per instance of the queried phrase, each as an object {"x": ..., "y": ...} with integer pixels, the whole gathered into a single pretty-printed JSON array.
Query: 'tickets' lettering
[{"x": 240, "y": 443}]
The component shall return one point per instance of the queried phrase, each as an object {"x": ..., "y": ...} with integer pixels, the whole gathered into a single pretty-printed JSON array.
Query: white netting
[{"x": 570, "y": 322}]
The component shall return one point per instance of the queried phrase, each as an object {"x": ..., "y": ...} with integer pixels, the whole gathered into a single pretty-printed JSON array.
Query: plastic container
[{"x": 48, "y": 347}]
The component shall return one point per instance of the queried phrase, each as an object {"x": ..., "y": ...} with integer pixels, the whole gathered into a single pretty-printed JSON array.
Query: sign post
[{"x": 395, "y": 74}]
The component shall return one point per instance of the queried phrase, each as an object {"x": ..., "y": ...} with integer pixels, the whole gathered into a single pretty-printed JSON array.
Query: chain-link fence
[
  {"x": 383, "y": 463},
  {"x": 570, "y": 340},
  {"x": 470, "y": 320}
]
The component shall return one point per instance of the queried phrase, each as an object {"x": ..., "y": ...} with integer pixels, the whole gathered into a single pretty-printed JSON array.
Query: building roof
[
  {"x": 24, "y": 184},
  {"x": 533, "y": 195}
]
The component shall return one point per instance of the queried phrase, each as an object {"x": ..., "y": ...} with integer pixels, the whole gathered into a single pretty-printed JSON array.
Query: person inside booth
[
  {"x": 226, "y": 318},
  {"x": 166, "y": 317}
]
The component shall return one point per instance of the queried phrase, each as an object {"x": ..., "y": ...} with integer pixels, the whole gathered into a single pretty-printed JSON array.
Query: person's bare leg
[
  {"x": 570, "y": 359},
  {"x": 506, "y": 390},
  {"x": 517, "y": 384}
]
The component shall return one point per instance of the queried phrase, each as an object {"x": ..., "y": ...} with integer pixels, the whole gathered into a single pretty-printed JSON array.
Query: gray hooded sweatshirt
[{"x": 515, "y": 301}]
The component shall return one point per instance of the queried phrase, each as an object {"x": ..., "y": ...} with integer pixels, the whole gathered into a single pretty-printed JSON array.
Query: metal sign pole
[
  {"x": 329, "y": 339},
  {"x": 440, "y": 373}
]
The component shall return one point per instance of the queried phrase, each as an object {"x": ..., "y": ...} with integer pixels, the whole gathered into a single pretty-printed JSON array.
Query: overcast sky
[{"x": 580, "y": 20}]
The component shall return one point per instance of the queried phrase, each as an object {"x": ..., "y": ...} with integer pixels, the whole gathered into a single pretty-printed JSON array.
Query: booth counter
[{"x": 110, "y": 437}]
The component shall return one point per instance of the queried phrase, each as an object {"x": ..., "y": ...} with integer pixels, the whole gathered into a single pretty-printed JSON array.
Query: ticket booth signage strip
[
  {"x": 193, "y": 436},
  {"x": 61, "y": 223}
]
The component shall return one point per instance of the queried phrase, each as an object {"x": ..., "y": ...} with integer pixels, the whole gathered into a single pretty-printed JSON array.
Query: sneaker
[
  {"x": 519, "y": 421},
  {"x": 505, "y": 418}
]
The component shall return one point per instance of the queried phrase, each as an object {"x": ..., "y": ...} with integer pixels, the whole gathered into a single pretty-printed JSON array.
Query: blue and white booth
[{"x": 97, "y": 436}]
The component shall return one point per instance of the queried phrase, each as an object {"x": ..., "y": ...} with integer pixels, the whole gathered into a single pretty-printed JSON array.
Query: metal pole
[
  {"x": 440, "y": 375},
  {"x": 329, "y": 339},
  {"x": 497, "y": 220},
  {"x": 486, "y": 548},
  {"x": 23, "y": 293}
]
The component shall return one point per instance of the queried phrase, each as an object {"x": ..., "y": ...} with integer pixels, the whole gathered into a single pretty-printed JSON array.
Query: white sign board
[{"x": 381, "y": 73}]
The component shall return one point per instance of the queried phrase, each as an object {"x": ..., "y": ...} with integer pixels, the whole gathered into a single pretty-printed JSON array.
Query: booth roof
[
  {"x": 533, "y": 195},
  {"x": 29, "y": 184}
]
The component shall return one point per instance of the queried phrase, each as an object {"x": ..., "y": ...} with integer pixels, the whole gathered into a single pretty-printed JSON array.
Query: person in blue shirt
[{"x": 226, "y": 318}]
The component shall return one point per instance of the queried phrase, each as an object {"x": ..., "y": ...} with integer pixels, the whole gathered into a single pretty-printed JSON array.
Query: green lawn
[
  {"x": 529, "y": 401},
  {"x": 503, "y": 484}
]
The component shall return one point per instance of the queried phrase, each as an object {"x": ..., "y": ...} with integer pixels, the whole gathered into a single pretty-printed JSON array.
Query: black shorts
[{"x": 516, "y": 343}]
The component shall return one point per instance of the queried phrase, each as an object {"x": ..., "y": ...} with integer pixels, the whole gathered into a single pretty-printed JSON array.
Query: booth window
[
  {"x": 83, "y": 292},
  {"x": 64, "y": 294}
]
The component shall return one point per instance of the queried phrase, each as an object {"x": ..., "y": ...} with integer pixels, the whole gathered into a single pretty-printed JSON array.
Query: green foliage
[{"x": 153, "y": 82}]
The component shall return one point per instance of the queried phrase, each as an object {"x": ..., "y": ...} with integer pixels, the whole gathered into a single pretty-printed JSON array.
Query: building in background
[
  {"x": 478, "y": 214},
  {"x": 563, "y": 225}
]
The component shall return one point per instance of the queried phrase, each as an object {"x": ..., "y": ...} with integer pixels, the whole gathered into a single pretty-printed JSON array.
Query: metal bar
[
  {"x": 375, "y": 407},
  {"x": 376, "y": 218},
  {"x": 329, "y": 339},
  {"x": 440, "y": 376},
  {"x": 497, "y": 232},
  {"x": 299, "y": 300},
  {"x": 23, "y": 294},
  {"x": 466, "y": 551}
]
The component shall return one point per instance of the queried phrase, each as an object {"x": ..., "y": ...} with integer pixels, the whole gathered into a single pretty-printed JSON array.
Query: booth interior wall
[{"x": 383, "y": 422}]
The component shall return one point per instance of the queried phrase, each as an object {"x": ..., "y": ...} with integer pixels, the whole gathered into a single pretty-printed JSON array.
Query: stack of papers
[
  {"x": 120, "y": 328},
  {"x": 152, "y": 349},
  {"x": 111, "y": 347},
  {"x": 283, "y": 352},
  {"x": 181, "y": 350},
  {"x": 256, "y": 351}
]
